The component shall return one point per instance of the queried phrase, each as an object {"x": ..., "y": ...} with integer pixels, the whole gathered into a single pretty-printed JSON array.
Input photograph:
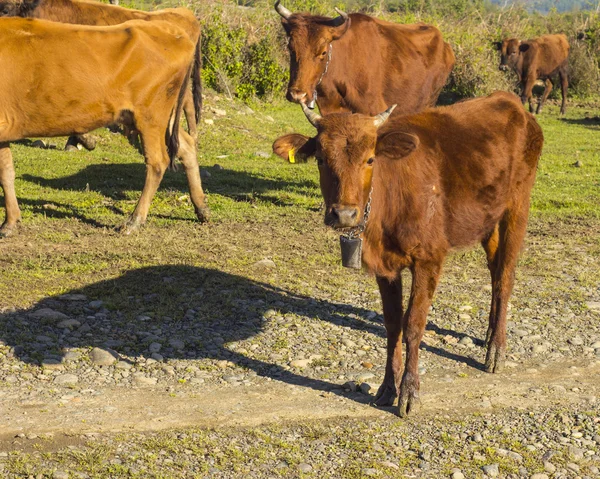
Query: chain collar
[
  {"x": 311, "y": 105},
  {"x": 358, "y": 230}
]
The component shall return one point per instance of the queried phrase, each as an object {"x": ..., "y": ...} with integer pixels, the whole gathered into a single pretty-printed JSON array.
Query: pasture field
[{"x": 242, "y": 348}]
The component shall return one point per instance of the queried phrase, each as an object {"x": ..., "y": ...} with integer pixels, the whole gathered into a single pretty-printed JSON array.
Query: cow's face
[
  {"x": 309, "y": 39},
  {"x": 9, "y": 9},
  {"x": 347, "y": 149},
  {"x": 510, "y": 53}
]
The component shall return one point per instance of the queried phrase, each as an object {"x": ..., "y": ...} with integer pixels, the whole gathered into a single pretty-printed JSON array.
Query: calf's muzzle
[{"x": 343, "y": 216}]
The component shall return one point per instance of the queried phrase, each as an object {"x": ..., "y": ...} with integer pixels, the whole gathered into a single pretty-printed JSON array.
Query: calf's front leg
[
  {"x": 425, "y": 276},
  {"x": 7, "y": 181},
  {"x": 391, "y": 298}
]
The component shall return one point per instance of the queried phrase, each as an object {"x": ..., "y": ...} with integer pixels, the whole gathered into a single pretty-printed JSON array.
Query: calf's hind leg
[
  {"x": 511, "y": 233},
  {"x": 490, "y": 245},
  {"x": 548, "y": 84},
  {"x": 391, "y": 297},
  {"x": 187, "y": 154},
  {"x": 7, "y": 181},
  {"x": 157, "y": 161},
  {"x": 564, "y": 84}
]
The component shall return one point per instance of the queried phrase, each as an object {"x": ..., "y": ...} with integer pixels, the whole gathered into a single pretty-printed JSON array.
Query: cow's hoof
[
  {"x": 203, "y": 214},
  {"x": 494, "y": 360},
  {"x": 132, "y": 225},
  {"x": 88, "y": 142},
  {"x": 7, "y": 230},
  {"x": 386, "y": 395},
  {"x": 69, "y": 147},
  {"x": 408, "y": 401}
]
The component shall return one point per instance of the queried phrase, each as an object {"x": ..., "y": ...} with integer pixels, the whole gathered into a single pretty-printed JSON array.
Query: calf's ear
[
  {"x": 396, "y": 144},
  {"x": 497, "y": 45},
  {"x": 301, "y": 147},
  {"x": 523, "y": 47}
]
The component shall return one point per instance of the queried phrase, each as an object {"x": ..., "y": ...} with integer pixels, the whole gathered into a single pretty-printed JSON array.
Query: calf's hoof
[
  {"x": 408, "y": 401},
  {"x": 494, "y": 359},
  {"x": 132, "y": 225},
  {"x": 386, "y": 395},
  {"x": 203, "y": 214},
  {"x": 7, "y": 230},
  {"x": 88, "y": 142}
]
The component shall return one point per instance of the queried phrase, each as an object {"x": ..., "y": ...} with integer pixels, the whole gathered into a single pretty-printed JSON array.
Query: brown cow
[
  {"x": 83, "y": 12},
  {"x": 360, "y": 64},
  {"x": 441, "y": 179},
  {"x": 541, "y": 58},
  {"x": 59, "y": 79}
]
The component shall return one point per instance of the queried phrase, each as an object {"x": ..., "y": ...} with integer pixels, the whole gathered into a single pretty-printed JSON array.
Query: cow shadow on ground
[
  {"x": 193, "y": 313},
  {"x": 592, "y": 123},
  {"x": 115, "y": 180}
]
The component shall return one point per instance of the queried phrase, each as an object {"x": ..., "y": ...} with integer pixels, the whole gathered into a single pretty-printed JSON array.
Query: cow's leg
[
  {"x": 424, "y": 281},
  {"x": 7, "y": 181},
  {"x": 187, "y": 154},
  {"x": 548, "y": 84},
  {"x": 511, "y": 233},
  {"x": 391, "y": 298},
  {"x": 564, "y": 85},
  {"x": 490, "y": 245},
  {"x": 190, "y": 115},
  {"x": 527, "y": 92},
  {"x": 157, "y": 161}
]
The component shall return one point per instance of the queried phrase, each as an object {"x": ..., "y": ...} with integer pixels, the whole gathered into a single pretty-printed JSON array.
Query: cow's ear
[
  {"x": 523, "y": 47},
  {"x": 396, "y": 144},
  {"x": 301, "y": 147},
  {"x": 497, "y": 45}
]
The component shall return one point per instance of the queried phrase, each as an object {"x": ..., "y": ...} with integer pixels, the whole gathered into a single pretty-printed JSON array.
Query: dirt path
[{"x": 154, "y": 408}]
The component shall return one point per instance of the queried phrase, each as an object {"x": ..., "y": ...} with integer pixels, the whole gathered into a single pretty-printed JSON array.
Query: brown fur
[
  {"x": 374, "y": 63},
  {"x": 69, "y": 79},
  {"x": 442, "y": 179},
  {"x": 86, "y": 12},
  {"x": 540, "y": 58}
]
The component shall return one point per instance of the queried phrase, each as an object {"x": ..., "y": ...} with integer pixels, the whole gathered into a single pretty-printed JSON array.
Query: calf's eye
[
  {"x": 370, "y": 161},
  {"x": 320, "y": 161}
]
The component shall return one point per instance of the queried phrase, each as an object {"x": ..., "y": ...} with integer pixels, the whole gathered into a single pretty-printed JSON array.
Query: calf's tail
[{"x": 197, "y": 80}]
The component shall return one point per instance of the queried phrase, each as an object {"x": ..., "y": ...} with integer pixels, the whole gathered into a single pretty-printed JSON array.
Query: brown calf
[
  {"x": 84, "y": 12},
  {"x": 360, "y": 64},
  {"x": 61, "y": 79},
  {"x": 442, "y": 179},
  {"x": 541, "y": 58}
]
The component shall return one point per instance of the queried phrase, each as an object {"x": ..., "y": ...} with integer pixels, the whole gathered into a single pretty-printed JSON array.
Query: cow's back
[
  {"x": 549, "y": 52},
  {"x": 475, "y": 153}
]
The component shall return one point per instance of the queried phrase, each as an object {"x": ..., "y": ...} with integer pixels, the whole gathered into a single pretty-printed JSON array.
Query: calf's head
[
  {"x": 348, "y": 147},
  {"x": 309, "y": 39},
  {"x": 511, "y": 51}
]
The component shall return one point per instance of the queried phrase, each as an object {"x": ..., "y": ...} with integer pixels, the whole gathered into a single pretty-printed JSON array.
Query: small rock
[
  {"x": 176, "y": 344},
  {"x": 66, "y": 379},
  {"x": 154, "y": 347},
  {"x": 262, "y": 154},
  {"x": 491, "y": 470},
  {"x": 466, "y": 340},
  {"x": 573, "y": 467},
  {"x": 265, "y": 263},
  {"x": 73, "y": 297},
  {"x": 539, "y": 475},
  {"x": 60, "y": 475},
  {"x": 218, "y": 167},
  {"x": 141, "y": 380},
  {"x": 549, "y": 467},
  {"x": 219, "y": 112},
  {"x": 350, "y": 386},
  {"x": 204, "y": 174},
  {"x": 69, "y": 323},
  {"x": 365, "y": 376},
  {"x": 96, "y": 304},
  {"x": 300, "y": 363},
  {"x": 39, "y": 144},
  {"x": 575, "y": 341},
  {"x": 102, "y": 357},
  {"x": 48, "y": 314},
  {"x": 366, "y": 388},
  {"x": 369, "y": 471},
  {"x": 457, "y": 475},
  {"x": 477, "y": 437},
  {"x": 303, "y": 467},
  {"x": 208, "y": 121}
]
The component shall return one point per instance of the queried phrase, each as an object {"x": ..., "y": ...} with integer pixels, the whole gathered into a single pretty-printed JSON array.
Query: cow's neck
[{"x": 390, "y": 239}]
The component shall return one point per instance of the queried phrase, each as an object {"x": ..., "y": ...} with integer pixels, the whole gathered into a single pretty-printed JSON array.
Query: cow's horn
[
  {"x": 313, "y": 117},
  {"x": 382, "y": 117},
  {"x": 343, "y": 17},
  {"x": 284, "y": 12}
]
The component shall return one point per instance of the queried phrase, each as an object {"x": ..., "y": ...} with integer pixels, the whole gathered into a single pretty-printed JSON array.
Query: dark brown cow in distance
[
  {"x": 442, "y": 179},
  {"x": 541, "y": 58},
  {"x": 59, "y": 79},
  {"x": 360, "y": 64},
  {"x": 85, "y": 12}
]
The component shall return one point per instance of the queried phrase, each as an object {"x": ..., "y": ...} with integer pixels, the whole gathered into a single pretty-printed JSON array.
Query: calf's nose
[
  {"x": 344, "y": 216},
  {"x": 503, "y": 68}
]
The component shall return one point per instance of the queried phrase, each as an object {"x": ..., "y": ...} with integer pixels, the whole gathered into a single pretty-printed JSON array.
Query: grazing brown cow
[
  {"x": 83, "y": 12},
  {"x": 441, "y": 179},
  {"x": 59, "y": 79},
  {"x": 541, "y": 58},
  {"x": 360, "y": 64}
]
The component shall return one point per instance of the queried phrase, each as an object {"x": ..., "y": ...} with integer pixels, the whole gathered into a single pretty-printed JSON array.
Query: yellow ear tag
[{"x": 292, "y": 155}]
